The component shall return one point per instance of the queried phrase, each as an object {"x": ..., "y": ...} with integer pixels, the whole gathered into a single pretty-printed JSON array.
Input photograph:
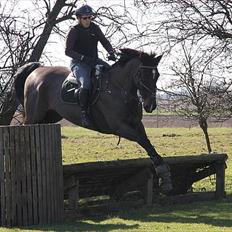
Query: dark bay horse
[{"x": 117, "y": 110}]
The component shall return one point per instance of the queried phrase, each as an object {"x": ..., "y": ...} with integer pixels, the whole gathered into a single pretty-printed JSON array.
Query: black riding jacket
[{"x": 83, "y": 41}]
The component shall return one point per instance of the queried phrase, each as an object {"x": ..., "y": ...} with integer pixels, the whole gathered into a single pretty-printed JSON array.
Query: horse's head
[
  {"x": 146, "y": 81},
  {"x": 145, "y": 74}
]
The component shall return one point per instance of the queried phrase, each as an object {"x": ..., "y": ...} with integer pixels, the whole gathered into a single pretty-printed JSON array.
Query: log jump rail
[{"x": 117, "y": 178}]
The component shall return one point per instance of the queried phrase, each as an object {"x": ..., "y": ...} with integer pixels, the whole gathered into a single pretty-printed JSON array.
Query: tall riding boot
[{"x": 84, "y": 100}]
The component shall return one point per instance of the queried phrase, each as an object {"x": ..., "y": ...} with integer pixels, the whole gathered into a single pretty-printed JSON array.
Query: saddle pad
[{"x": 69, "y": 92}]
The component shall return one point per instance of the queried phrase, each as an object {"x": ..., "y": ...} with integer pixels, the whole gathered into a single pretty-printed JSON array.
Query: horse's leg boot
[
  {"x": 164, "y": 175},
  {"x": 84, "y": 100}
]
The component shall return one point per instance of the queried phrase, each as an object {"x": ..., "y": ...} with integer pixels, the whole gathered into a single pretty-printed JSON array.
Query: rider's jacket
[{"x": 83, "y": 41}]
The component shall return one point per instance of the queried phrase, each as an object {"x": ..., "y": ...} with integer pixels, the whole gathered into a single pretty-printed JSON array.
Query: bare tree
[
  {"x": 183, "y": 19},
  {"x": 197, "y": 93},
  {"x": 209, "y": 22},
  {"x": 203, "y": 31}
]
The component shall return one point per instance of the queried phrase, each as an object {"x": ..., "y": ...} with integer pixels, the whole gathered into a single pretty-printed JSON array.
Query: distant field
[
  {"x": 81, "y": 145},
  {"x": 168, "y": 120}
]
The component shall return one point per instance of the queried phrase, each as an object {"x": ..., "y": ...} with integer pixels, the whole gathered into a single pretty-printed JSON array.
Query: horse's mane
[{"x": 128, "y": 54}]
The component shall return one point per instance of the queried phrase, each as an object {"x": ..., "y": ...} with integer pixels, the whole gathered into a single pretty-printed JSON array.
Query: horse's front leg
[
  {"x": 162, "y": 169},
  {"x": 139, "y": 135}
]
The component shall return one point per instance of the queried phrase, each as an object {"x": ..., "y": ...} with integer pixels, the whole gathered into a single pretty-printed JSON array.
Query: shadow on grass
[
  {"x": 83, "y": 226},
  {"x": 214, "y": 213}
]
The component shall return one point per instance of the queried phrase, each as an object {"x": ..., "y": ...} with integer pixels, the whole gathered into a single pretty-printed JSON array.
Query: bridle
[{"x": 140, "y": 83}]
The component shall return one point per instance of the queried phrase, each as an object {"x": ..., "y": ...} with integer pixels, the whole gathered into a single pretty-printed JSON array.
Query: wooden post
[
  {"x": 220, "y": 180},
  {"x": 31, "y": 175},
  {"x": 74, "y": 196},
  {"x": 150, "y": 190}
]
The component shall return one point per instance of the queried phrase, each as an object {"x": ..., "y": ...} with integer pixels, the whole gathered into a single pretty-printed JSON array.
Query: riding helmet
[{"x": 84, "y": 10}]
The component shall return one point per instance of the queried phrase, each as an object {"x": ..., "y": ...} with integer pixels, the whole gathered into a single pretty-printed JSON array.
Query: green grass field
[{"x": 81, "y": 145}]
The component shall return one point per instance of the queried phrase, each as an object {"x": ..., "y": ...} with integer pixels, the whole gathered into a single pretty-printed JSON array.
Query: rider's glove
[{"x": 112, "y": 56}]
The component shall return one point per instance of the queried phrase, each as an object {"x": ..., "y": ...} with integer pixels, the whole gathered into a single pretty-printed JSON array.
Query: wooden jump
[
  {"x": 31, "y": 175},
  {"x": 116, "y": 178},
  {"x": 34, "y": 184}
]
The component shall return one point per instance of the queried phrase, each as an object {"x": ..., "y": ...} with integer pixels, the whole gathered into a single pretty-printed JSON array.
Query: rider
[{"x": 81, "y": 46}]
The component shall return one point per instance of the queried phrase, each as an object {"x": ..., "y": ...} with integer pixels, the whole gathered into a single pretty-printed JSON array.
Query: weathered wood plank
[
  {"x": 220, "y": 180},
  {"x": 55, "y": 182},
  {"x": 53, "y": 177},
  {"x": 150, "y": 187},
  {"x": 44, "y": 215},
  {"x": 7, "y": 175},
  {"x": 13, "y": 176},
  {"x": 23, "y": 175},
  {"x": 47, "y": 175},
  {"x": 34, "y": 175},
  {"x": 59, "y": 166},
  {"x": 19, "y": 212},
  {"x": 28, "y": 176},
  {"x": 2, "y": 177},
  {"x": 31, "y": 175},
  {"x": 39, "y": 173}
]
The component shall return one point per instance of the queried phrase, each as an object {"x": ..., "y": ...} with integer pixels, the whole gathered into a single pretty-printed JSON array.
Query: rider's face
[{"x": 85, "y": 20}]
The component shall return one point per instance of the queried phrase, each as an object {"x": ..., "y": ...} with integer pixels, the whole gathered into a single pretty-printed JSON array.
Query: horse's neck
[{"x": 124, "y": 76}]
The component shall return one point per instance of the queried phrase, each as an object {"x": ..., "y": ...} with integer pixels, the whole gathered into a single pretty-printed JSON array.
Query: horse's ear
[{"x": 157, "y": 59}]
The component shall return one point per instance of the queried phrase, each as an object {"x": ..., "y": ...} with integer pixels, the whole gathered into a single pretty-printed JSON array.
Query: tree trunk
[
  {"x": 50, "y": 23},
  {"x": 204, "y": 126},
  {"x": 8, "y": 108}
]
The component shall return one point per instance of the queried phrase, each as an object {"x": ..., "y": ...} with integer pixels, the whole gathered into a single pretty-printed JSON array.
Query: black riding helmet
[{"x": 84, "y": 10}]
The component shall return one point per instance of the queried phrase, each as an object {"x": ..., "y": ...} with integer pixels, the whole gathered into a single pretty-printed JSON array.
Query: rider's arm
[
  {"x": 104, "y": 41},
  {"x": 69, "y": 45}
]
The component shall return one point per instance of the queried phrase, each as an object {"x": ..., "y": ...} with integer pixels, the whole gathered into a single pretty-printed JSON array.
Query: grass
[{"x": 81, "y": 145}]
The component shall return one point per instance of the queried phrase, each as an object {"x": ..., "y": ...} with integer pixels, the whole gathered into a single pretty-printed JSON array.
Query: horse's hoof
[{"x": 164, "y": 175}]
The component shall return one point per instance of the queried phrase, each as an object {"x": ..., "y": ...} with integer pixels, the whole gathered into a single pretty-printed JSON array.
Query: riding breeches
[{"x": 82, "y": 72}]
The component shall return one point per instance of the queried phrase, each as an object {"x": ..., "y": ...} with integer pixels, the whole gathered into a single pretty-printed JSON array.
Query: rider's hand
[{"x": 112, "y": 57}]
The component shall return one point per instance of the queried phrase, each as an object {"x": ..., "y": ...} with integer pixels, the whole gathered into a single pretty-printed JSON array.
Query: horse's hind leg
[
  {"x": 35, "y": 111},
  {"x": 51, "y": 117}
]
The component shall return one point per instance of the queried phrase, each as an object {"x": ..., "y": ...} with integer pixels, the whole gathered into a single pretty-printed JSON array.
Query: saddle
[{"x": 70, "y": 87}]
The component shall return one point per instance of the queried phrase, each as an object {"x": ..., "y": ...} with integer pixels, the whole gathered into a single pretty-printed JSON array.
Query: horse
[{"x": 117, "y": 109}]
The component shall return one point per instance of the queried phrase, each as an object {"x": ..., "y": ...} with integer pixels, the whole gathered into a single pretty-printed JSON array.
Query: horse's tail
[{"x": 20, "y": 78}]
